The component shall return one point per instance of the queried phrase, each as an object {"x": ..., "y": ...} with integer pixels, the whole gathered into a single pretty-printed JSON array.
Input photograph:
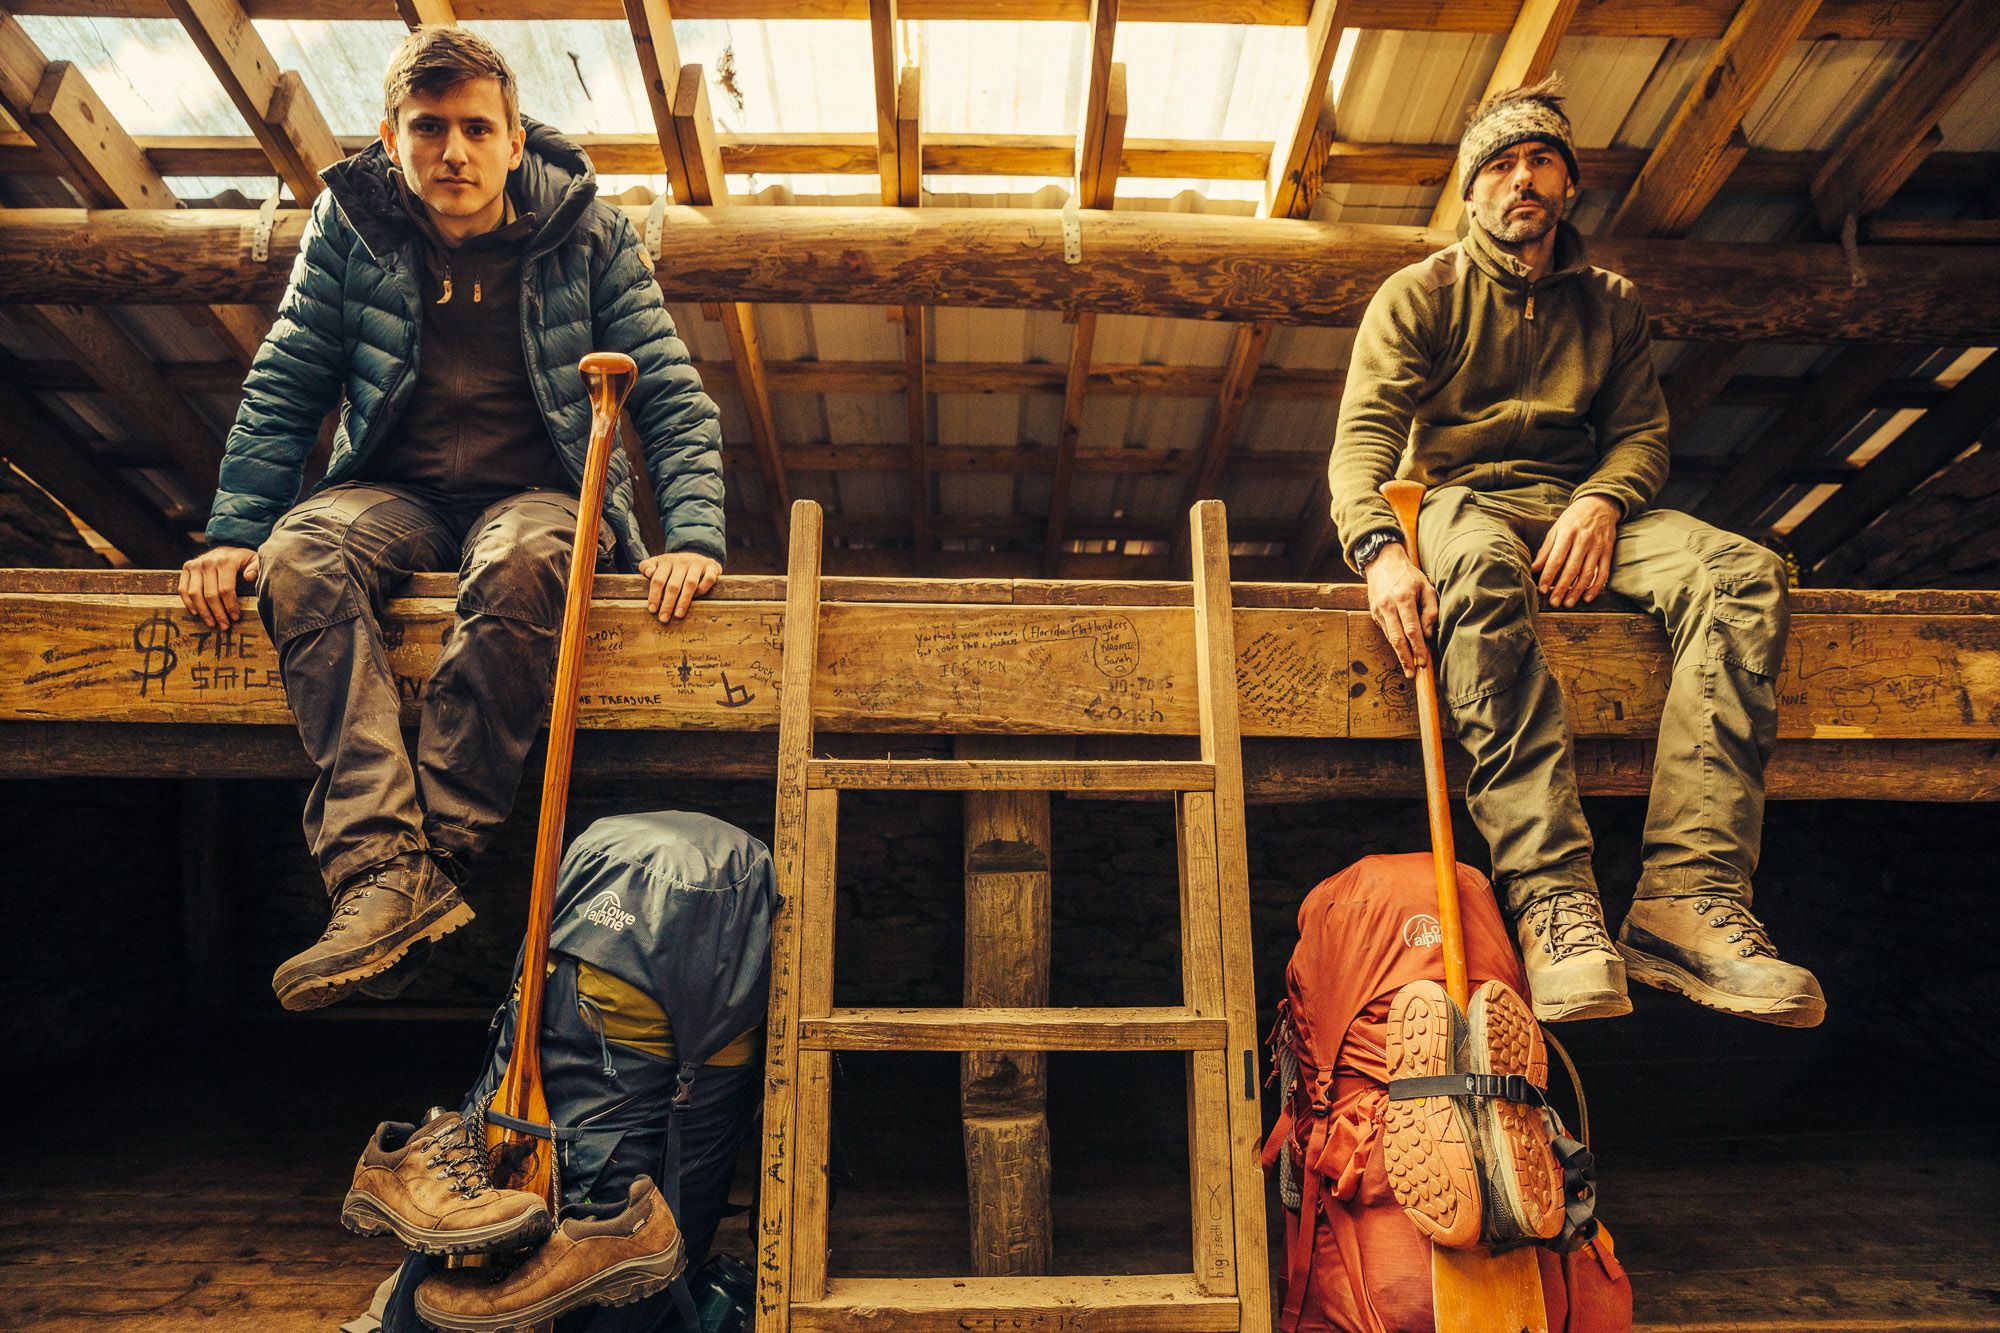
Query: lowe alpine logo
[
  {"x": 1422, "y": 932},
  {"x": 607, "y": 911}
]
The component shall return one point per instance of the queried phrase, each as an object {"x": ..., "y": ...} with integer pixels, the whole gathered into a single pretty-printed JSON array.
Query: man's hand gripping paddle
[
  {"x": 1472, "y": 1290},
  {"x": 522, "y": 1160}
]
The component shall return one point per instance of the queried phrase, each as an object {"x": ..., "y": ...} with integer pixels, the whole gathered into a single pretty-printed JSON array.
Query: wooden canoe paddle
[
  {"x": 521, "y": 1160},
  {"x": 1472, "y": 1290}
]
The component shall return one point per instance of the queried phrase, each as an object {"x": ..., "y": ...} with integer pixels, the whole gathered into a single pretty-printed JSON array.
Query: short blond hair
[{"x": 435, "y": 59}]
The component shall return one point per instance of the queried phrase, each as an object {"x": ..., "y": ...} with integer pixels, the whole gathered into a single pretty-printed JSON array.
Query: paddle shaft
[
  {"x": 520, "y": 1088},
  {"x": 1406, "y": 498}
]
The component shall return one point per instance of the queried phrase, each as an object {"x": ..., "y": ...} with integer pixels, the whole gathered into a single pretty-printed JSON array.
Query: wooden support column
[
  {"x": 653, "y": 42},
  {"x": 1530, "y": 51},
  {"x": 36, "y": 443},
  {"x": 1901, "y": 129},
  {"x": 694, "y": 135},
  {"x": 1967, "y": 413},
  {"x": 1098, "y": 155},
  {"x": 274, "y": 102},
  {"x": 1696, "y": 152},
  {"x": 1003, "y": 1096}
]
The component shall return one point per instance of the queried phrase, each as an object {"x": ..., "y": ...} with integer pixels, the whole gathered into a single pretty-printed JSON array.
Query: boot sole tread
[
  {"x": 1522, "y": 1170},
  {"x": 623, "y": 1283},
  {"x": 1427, "y": 1142},
  {"x": 303, "y": 994},
  {"x": 1792, "y": 1011},
  {"x": 363, "y": 1216}
]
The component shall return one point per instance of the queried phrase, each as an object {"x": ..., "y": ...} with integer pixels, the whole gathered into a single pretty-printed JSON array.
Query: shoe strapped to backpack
[{"x": 1473, "y": 1151}]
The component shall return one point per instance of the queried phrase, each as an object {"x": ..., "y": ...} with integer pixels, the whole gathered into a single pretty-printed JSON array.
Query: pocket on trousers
[
  {"x": 1748, "y": 614},
  {"x": 1478, "y": 666}
]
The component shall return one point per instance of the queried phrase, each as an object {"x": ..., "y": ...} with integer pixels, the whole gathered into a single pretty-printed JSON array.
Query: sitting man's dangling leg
[
  {"x": 1510, "y": 718},
  {"x": 326, "y": 570}
]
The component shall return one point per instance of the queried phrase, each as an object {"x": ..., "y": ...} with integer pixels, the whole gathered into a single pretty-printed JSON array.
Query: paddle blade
[
  {"x": 1476, "y": 1291},
  {"x": 522, "y": 1161}
]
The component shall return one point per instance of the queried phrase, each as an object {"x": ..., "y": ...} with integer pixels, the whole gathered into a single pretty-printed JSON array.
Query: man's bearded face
[{"x": 1521, "y": 192}]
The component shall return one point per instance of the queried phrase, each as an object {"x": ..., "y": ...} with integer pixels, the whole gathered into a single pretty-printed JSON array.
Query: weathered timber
[
  {"x": 1074, "y": 1304},
  {"x": 1862, "y": 20},
  {"x": 1113, "y": 670},
  {"x": 1114, "y": 775},
  {"x": 1185, "y": 266},
  {"x": 1100, "y": 1029},
  {"x": 1003, "y": 1095}
]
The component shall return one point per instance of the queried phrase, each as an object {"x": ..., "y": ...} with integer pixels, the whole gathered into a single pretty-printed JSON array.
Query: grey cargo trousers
[
  {"x": 326, "y": 570},
  {"x": 1722, "y": 600}
]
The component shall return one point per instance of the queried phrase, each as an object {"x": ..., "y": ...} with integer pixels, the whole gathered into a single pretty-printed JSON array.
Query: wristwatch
[{"x": 1372, "y": 545}]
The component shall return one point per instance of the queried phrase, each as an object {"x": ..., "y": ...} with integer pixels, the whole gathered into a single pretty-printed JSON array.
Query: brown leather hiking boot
[
  {"x": 1709, "y": 948},
  {"x": 429, "y": 1186},
  {"x": 1573, "y": 970},
  {"x": 1524, "y": 1182},
  {"x": 377, "y": 916},
  {"x": 601, "y": 1254},
  {"x": 392, "y": 983}
]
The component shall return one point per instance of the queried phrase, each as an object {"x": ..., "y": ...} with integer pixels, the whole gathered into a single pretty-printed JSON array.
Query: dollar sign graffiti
[{"x": 153, "y": 638}]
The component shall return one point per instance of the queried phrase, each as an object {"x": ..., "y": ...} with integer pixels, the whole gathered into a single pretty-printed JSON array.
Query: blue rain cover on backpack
[{"x": 678, "y": 905}]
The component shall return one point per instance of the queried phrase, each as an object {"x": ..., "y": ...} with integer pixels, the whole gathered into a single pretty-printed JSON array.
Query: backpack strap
[{"x": 1506, "y": 1087}]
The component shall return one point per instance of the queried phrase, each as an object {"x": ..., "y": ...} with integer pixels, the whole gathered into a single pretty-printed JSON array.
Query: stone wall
[{"x": 1885, "y": 901}]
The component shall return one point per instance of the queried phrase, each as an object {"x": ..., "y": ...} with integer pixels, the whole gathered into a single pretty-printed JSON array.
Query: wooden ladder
[{"x": 1228, "y": 1285}]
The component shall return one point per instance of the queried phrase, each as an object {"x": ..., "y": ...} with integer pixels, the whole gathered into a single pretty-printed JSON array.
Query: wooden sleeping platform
[{"x": 1889, "y": 696}]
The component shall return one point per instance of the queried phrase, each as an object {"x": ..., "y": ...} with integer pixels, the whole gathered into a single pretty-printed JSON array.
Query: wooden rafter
[
  {"x": 916, "y": 323},
  {"x": 652, "y": 24},
  {"x": 1865, "y": 20},
  {"x": 694, "y": 133},
  {"x": 63, "y": 115},
  {"x": 1803, "y": 430},
  {"x": 416, "y": 13},
  {"x": 1960, "y": 420},
  {"x": 275, "y": 103},
  {"x": 1703, "y": 141},
  {"x": 1901, "y": 128},
  {"x": 1526, "y": 58},
  {"x": 1098, "y": 154},
  {"x": 1761, "y": 171},
  {"x": 36, "y": 443}
]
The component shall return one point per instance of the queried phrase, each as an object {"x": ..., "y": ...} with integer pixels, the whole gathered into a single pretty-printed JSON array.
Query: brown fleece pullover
[{"x": 1466, "y": 374}]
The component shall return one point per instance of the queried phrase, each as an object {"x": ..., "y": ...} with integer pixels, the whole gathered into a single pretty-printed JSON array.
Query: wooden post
[{"x": 1003, "y": 1096}]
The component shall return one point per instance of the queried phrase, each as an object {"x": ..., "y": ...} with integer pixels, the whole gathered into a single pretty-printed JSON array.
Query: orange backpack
[{"x": 1353, "y": 1261}]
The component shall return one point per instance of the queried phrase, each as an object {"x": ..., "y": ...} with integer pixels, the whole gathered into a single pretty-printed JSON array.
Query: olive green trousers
[{"x": 1722, "y": 600}]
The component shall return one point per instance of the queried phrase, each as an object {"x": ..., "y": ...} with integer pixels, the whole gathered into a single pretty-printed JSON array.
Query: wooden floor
[{"x": 198, "y": 1188}]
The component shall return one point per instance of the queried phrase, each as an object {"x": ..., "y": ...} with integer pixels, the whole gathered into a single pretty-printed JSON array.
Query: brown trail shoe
[
  {"x": 392, "y": 983},
  {"x": 1573, "y": 970},
  {"x": 377, "y": 916},
  {"x": 1709, "y": 948},
  {"x": 1523, "y": 1179},
  {"x": 429, "y": 1186},
  {"x": 601, "y": 1254},
  {"x": 1427, "y": 1142}
]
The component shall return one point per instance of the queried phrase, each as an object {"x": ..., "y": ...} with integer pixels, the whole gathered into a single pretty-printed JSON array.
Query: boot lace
[
  {"x": 1572, "y": 923},
  {"x": 454, "y": 1156},
  {"x": 1748, "y": 931},
  {"x": 350, "y": 904}
]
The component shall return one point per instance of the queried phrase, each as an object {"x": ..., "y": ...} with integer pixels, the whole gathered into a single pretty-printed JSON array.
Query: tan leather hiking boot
[
  {"x": 600, "y": 1254},
  {"x": 1709, "y": 948},
  {"x": 1430, "y": 1144},
  {"x": 377, "y": 916},
  {"x": 429, "y": 1186},
  {"x": 1524, "y": 1182},
  {"x": 1573, "y": 970}
]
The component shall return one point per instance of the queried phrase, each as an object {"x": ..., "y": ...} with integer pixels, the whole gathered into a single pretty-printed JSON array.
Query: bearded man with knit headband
[{"x": 1516, "y": 382}]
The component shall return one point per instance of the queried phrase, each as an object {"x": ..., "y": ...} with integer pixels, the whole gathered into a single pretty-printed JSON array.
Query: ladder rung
[
  {"x": 1169, "y": 1304},
  {"x": 1132, "y": 1029},
  {"x": 1106, "y": 775}
]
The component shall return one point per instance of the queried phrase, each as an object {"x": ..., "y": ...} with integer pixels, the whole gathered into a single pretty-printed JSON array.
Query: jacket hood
[
  {"x": 1505, "y": 269},
  {"x": 555, "y": 182}
]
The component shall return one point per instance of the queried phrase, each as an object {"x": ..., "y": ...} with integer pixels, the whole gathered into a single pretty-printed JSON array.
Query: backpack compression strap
[{"x": 1507, "y": 1087}]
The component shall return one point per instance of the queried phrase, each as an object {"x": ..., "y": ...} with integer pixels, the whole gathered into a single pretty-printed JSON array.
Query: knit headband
[{"x": 1503, "y": 126}]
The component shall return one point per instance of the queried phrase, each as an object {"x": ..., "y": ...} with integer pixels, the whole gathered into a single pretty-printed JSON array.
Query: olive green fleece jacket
[{"x": 1466, "y": 374}]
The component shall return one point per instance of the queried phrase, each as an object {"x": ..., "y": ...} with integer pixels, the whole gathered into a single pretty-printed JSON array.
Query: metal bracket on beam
[
  {"x": 656, "y": 224},
  {"x": 267, "y": 220},
  {"x": 1072, "y": 225},
  {"x": 1850, "y": 229}
]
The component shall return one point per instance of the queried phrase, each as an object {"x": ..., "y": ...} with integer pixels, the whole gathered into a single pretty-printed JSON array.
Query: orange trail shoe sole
[
  {"x": 1522, "y": 1176},
  {"x": 1427, "y": 1142}
]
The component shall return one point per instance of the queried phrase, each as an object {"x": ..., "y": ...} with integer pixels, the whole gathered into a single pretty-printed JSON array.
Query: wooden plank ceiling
[{"x": 121, "y": 416}]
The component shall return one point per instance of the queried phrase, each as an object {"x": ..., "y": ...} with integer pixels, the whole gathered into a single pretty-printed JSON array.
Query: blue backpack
[{"x": 678, "y": 907}]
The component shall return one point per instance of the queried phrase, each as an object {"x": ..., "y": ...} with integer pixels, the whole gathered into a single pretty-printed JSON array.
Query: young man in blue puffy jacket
[{"x": 450, "y": 279}]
